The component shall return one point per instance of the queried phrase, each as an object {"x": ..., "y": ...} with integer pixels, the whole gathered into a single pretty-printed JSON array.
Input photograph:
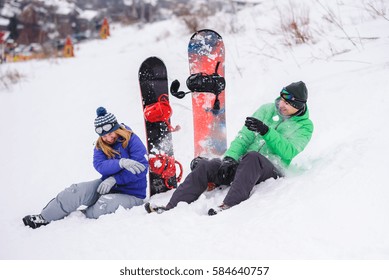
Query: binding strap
[
  {"x": 160, "y": 111},
  {"x": 165, "y": 166}
]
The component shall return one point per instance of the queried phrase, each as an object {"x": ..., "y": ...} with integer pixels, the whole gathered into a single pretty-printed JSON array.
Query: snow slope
[{"x": 332, "y": 205}]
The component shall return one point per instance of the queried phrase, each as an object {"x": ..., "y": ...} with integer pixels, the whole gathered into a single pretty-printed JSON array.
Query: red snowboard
[{"x": 206, "y": 54}]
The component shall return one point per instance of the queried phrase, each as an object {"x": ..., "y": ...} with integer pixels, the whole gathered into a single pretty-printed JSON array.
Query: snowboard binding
[
  {"x": 160, "y": 112},
  {"x": 165, "y": 166},
  {"x": 202, "y": 82}
]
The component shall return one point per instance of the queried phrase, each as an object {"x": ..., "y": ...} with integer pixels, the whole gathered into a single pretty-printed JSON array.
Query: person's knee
[
  {"x": 203, "y": 163},
  {"x": 108, "y": 204},
  {"x": 70, "y": 190},
  {"x": 101, "y": 207},
  {"x": 252, "y": 154},
  {"x": 66, "y": 197}
]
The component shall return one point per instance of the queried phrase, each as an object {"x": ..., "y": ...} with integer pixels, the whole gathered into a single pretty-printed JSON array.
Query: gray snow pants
[
  {"x": 71, "y": 198},
  {"x": 253, "y": 168}
]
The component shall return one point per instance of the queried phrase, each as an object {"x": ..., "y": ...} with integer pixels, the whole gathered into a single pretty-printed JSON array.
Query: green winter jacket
[{"x": 285, "y": 139}]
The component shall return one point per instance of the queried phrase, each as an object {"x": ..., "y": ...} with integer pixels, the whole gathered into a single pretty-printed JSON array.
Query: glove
[
  {"x": 195, "y": 161},
  {"x": 133, "y": 166},
  {"x": 226, "y": 172},
  {"x": 256, "y": 125},
  {"x": 106, "y": 185}
]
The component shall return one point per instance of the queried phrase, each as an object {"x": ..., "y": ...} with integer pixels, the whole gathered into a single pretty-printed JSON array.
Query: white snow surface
[{"x": 333, "y": 203}]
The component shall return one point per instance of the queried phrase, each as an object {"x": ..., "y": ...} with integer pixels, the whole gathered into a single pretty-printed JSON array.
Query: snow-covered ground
[{"x": 332, "y": 206}]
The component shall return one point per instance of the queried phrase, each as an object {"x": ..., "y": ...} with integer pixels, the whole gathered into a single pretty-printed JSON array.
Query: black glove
[
  {"x": 256, "y": 125},
  {"x": 226, "y": 172},
  {"x": 195, "y": 161}
]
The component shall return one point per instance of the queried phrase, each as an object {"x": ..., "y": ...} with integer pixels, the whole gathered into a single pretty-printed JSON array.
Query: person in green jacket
[{"x": 263, "y": 148}]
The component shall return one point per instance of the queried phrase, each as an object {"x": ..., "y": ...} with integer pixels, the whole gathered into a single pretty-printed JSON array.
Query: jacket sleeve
[
  {"x": 239, "y": 146},
  {"x": 288, "y": 147},
  {"x": 105, "y": 166},
  {"x": 136, "y": 151}
]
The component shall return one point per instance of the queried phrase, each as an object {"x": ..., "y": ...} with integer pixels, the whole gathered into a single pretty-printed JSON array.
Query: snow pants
[
  {"x": 71, "y": 198},
  {"x": 253, "y": 168}
]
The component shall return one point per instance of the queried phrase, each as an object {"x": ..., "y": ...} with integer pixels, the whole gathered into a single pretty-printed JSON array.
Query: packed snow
[{"x": 333, "y": 203}]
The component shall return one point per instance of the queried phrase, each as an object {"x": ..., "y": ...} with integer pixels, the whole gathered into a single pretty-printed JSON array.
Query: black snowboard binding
[{"x": 201, "y": 82}]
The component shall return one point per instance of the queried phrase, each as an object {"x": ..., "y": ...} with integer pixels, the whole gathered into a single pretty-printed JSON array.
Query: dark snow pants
[{"x": 253, "y": 168}]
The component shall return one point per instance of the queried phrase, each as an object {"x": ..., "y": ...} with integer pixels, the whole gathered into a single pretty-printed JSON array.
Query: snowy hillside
[{"x": 332, "y": 205}]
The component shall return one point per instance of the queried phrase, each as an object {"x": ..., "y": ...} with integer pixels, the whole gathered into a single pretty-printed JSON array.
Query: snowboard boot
[
  {"x": 195, "y": 161},
  {"x": 34, "y": 221},
  {"x": 150, "y": 208},
  {"x": 214, "y": 211}
]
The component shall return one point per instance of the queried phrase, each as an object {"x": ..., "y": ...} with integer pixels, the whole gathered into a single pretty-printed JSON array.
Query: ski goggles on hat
[
  {"x": 107, "y": 127},
  {"x": 289, "y": 97}
]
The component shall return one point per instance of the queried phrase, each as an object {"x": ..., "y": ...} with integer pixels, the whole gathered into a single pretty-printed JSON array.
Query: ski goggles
[
  {"x": 289, "y": 97},
  {"x": 104, "y": 128}
]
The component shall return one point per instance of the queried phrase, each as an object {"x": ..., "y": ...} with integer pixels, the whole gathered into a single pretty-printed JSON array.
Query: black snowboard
[{"x": 154, "y": 83}]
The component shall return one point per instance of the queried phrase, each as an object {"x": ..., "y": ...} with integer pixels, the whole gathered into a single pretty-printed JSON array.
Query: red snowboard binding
[
  {"x": 160, "y": 111},
  {"x": 165, "y": 166}
]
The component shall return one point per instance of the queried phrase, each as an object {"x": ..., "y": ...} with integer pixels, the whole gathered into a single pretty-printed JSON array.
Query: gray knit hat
[{"x": 105, "y": 122}]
